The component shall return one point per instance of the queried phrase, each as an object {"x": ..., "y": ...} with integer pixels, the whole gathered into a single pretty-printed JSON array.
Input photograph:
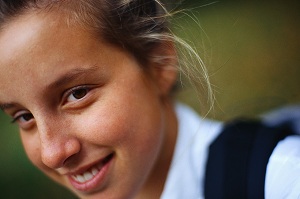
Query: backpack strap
[{"x": 238, "y": 158}]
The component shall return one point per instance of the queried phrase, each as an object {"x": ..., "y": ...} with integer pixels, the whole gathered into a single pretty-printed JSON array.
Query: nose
[{"x": 56, "y": 145}]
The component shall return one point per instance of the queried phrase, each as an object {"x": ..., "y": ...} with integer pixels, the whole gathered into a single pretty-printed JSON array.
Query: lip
[{"x": 98, "y": 180}]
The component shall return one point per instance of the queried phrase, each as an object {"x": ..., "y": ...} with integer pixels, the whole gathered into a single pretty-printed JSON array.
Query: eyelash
[
  {"x": 14, "y": 120},
  {"x": 67, "y": 94},
  {"x": 72, "y": 91}
]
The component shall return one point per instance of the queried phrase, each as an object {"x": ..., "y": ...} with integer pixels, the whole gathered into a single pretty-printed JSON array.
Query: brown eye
[
  {"x": 80, "y": 93},
  {"x": 77, "y": 94},
  {"x": 27, "y": 117},
  {"x": 24, "y": 120}
]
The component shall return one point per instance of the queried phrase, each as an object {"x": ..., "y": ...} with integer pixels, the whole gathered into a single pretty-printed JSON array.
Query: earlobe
[{"x": 165, "y": 67}]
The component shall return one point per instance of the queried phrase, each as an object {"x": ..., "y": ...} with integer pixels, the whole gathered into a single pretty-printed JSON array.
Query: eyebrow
[
  {"x": 5, "y": 106},
  {"x": 72, "y": 75},
  {"x": 64, "y": 79}
]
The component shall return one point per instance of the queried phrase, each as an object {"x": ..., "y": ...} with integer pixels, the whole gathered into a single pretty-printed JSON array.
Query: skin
[{"x": 78, "y": 100}]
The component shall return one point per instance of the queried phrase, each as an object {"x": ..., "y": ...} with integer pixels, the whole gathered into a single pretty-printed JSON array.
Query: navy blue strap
[{"x": 238, "y": 158}]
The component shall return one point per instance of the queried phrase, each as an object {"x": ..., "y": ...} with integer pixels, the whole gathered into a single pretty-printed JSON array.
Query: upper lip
[{"x": 86, "y": 167}]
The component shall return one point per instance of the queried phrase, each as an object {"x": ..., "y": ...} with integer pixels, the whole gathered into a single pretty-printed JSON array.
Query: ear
[{"x": 164, "y": 67}]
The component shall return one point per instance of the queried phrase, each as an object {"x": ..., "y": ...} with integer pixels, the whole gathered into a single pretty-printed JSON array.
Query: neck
[{"x": 154, "y": 185}]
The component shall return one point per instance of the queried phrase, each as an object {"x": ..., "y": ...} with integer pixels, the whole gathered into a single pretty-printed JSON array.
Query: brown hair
[{"x": 138, "y": 26}]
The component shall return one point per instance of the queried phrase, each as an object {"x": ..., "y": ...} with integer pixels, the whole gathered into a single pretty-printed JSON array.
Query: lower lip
[{"x": 96, "y": 182}]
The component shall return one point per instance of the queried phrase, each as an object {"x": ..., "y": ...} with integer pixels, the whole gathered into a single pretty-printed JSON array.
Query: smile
[
  {"x": 88, "y": 175},
  {"x": 92, "y": 177}
]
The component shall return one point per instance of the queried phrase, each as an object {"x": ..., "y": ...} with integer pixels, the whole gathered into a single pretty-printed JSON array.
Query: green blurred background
[{"x": 251, "y": 50}]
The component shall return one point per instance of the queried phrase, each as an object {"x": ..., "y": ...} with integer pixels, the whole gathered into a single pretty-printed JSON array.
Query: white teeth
[
  {"x": 80, "y": 178},
  {"x": 86, "y": 176},
  {"x": 95, "y": 171}
]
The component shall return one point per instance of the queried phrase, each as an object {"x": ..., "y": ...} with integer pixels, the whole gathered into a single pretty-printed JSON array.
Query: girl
[{"x": 89, "y": 83}]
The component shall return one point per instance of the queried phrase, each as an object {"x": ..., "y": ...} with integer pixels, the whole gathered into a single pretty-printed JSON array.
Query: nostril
[
  {"x": 73, "y": 147},
  {"x": 68, "y": 160}
]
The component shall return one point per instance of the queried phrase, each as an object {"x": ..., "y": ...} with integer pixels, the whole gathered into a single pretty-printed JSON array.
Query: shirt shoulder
[
  {"x": 283, "y": 170},
  {"x": 187, "y": 169}
]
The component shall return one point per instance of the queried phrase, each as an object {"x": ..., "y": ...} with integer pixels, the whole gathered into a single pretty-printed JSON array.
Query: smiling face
[{"x": 89, "y": 116}]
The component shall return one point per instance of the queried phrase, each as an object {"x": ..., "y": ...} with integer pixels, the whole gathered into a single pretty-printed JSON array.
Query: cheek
[
  {"x": 31, "y": 145},
  {"x": 130, "y": 119},
  {"x": 119, "y": 124}
]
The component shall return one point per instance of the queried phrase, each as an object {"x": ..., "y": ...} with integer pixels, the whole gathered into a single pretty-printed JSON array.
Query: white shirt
[
  {"x": 283, "y": 170},
  {"x": 186, "y": 175},
  {"x": 185, "y": 178}
]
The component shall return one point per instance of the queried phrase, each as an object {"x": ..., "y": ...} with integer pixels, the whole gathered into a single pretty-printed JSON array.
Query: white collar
[{"x": 186, "y": 174}]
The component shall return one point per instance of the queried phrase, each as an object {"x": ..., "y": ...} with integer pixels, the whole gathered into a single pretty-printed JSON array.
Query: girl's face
[{"x": 89, "y": 116}]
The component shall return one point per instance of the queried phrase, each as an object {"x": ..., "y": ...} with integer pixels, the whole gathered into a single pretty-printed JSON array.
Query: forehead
[
  {"x": 35, "y": 32},
  {"x": 36, "y": 48}
]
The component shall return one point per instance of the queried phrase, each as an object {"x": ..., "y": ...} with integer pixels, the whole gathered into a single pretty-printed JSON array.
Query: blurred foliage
[
  {"x": 18, "y": 178},
  {"x": 251, "y": 50}
]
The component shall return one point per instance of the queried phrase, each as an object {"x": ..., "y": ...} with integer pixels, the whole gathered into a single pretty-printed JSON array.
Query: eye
[
  {"x": 23, "y": 119},
  {"x": 77, "y": 94}
]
